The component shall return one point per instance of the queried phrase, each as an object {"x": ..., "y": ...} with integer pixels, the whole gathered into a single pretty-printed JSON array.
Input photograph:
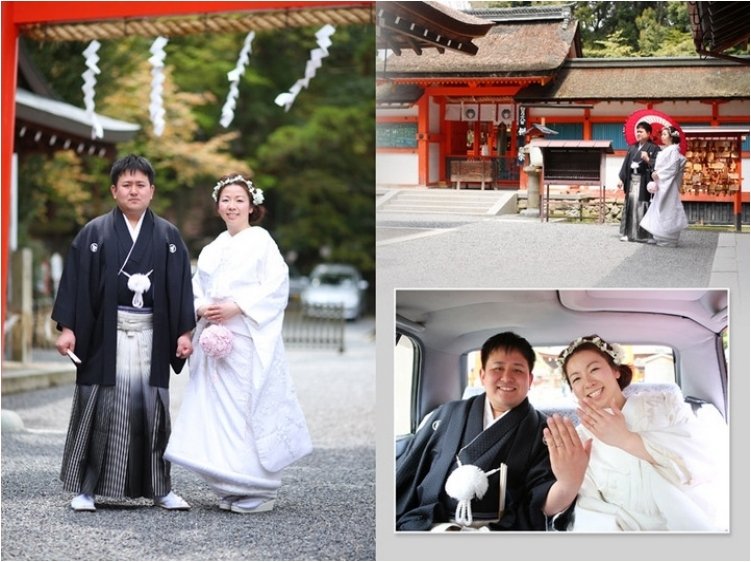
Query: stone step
[
  {"x": 21, "y": 377},
  {"x": 447, "y": 201},
  {"x": 449, "y": 197},
  {"x": 437, "y": 209}
]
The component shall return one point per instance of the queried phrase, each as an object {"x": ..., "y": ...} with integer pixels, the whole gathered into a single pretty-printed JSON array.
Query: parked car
[
  {"x": 333, "y": 285},
  {"x": 297, "y": 283}
]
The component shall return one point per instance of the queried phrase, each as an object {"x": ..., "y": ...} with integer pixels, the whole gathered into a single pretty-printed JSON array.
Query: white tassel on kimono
[
  {"x": 464, "y": 484},
  {"x": 139, "y": 284}
]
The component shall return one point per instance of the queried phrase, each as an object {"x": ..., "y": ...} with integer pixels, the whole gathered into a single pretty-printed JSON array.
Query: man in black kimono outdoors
[
  {"x": 125, "y": 310},
  {"x": 498, "y": 426},
  {"x": 635, "y": 174}
]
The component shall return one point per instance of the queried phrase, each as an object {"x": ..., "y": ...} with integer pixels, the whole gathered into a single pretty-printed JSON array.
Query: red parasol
[{"x": 657, "y": 120}]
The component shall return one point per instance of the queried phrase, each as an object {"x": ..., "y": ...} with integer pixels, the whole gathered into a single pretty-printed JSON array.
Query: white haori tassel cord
[
  {"x": 464, "y": 484},
  {"x": 139, "y": 284}
]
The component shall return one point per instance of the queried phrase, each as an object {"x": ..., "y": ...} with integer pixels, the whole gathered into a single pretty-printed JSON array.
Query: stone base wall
[{"x": 589, "y": 210}]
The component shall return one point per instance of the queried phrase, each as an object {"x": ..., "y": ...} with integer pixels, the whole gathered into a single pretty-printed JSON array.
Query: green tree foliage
[
  {"x": 638, "y": 29},
  {"x": 182, "y": 162},
  {"x": 627, "y": 29},
  {"x": 325, "y": 141},
  {"x": 321, "y": 200},
  {"x": 48, "y": 209},
  {"x": 612, "y": 46}
]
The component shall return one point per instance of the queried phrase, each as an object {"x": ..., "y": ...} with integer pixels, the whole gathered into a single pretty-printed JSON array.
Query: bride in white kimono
[
  {"x": 240, "y": 423},
  {"x": 665, "y": 218},
  {"x": 653, "y": 465}
]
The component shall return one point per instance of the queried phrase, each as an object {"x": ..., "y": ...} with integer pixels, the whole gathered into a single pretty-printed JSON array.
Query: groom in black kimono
[
  {"x": 125, "y": 311},
  {"x": 498, "y": 426},
  {"x": 635, "y": 174}
]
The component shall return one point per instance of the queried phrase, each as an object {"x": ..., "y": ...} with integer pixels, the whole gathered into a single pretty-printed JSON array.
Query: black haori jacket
[
  {"x": 644, "y": 170},
  {"x": 86, "y": 301},
  {"x": 515, "y": 439}
]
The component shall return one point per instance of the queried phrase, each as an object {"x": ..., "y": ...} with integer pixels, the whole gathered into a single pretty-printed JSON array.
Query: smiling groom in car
[{"x": 482, "y": 463}]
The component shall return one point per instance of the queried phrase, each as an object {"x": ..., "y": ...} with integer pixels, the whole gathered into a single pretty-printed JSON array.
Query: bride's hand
[{"x": 221, "y": 311}]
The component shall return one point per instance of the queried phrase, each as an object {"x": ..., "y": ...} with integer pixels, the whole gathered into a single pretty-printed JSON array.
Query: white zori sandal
[
  {"x": 172, "y": 502},
  {"x": 83, "y": 502}
]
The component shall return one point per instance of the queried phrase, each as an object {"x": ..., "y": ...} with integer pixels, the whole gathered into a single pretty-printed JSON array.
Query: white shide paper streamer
[
  {"x": 228, "y": 111},
  {"x": 89, "y": 82},
  {"x": 323, "y": 38},
  {"x": 156, "y": 104}
]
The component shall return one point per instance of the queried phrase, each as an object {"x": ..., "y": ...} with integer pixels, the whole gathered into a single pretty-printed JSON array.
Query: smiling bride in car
[{"x": 651, "y": 466}]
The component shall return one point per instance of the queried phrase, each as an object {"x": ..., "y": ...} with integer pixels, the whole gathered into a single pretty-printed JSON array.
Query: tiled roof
[
  {"x": 718, "y": 26},
  {"x": 536, "y": 12},
  {"x": 535, "y": 47},
  {"x": 680, "y": 78},
  {"x": 69, "y": 119},
  {"x": 464, "y": 17},
  {"x": 396, "y": 94},
  {"x": 414, "y": 26},
  {"x": 604, "y": 145}
]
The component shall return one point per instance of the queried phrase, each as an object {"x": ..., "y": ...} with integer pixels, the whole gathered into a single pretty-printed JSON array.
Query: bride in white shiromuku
[
  {"x": 654, "y": 465},
  {"x": 240, "y": 423},
  {"x": 665, "y": 218}
]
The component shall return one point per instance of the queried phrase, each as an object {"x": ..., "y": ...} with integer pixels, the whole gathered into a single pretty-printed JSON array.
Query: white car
[
  {"x": 297, "y": 283},
  {"x": 334, "y": 288}
]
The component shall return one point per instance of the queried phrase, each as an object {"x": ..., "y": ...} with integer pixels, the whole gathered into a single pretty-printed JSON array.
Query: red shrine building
[{"x": 442, "y": 108}]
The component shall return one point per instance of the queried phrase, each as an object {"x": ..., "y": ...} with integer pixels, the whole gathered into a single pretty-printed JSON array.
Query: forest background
[{"x": 315, "y": 163}]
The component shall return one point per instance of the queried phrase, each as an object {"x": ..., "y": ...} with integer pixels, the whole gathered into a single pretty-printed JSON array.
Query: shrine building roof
[
  {"x": 523, "y": 41},
  {"x": 643, "y": 78},
  {"x": 423, "y": 26},
  {"x": 44, "y": 122}
]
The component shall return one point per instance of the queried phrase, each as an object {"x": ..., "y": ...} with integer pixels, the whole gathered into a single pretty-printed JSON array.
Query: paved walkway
[{"x": 513, "y": 251}]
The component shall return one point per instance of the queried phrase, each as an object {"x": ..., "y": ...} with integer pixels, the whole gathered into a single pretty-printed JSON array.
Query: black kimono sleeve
[
  {"x": 79, "y": 304},
  {"x": 411, "y": 470}
]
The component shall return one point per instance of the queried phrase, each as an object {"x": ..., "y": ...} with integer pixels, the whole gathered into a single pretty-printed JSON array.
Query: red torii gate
[{"x": 16, "y": 14}]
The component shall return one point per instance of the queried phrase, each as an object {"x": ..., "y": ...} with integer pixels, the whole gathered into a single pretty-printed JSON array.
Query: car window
[
  {"x": 651, "y": 364},
  {"x": 335, "y": 279},
  {"x": 405, "y": 367}
]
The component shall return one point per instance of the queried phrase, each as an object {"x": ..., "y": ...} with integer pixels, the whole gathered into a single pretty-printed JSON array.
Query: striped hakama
[
  {"x": 117, "y": 434},
  {"x": 633, "y": 212}
]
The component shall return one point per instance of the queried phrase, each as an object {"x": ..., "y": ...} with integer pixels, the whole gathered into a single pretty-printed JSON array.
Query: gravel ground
[{"x": 325, "y": 509}]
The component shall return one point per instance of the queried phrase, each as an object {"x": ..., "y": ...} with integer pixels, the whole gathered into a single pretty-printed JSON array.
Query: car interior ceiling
[{"x": 456, "y": 323}]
